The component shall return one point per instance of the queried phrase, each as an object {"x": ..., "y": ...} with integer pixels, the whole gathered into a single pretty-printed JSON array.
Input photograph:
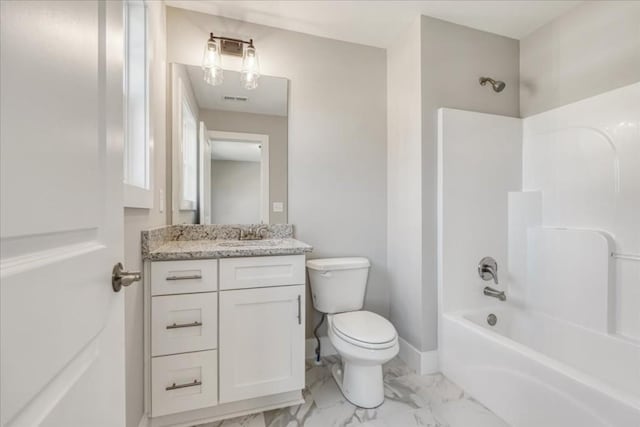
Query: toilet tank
[{"x": 338, "y": 284}]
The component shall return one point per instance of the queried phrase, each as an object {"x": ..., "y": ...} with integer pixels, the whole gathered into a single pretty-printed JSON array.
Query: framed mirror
[{"x": 228, "y": 149}]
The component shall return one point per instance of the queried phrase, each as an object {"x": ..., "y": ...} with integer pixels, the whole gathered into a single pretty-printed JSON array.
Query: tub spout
[{"x": 490, "y": 292}]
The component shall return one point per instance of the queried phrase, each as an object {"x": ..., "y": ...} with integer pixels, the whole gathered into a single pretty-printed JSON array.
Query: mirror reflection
[{"x": 229, "y": 149}]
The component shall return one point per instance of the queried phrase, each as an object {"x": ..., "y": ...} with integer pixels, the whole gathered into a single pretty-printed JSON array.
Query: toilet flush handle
[{"x": 325, "y": 274}]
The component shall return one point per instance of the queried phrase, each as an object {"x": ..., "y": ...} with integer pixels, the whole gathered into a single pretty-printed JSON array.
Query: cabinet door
[{"x": 261, "y": 342}]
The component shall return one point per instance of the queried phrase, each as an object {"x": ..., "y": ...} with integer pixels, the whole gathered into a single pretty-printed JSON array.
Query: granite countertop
[
  {"x": 201, "y": 249},
  {"x": 184, "y": 242}
]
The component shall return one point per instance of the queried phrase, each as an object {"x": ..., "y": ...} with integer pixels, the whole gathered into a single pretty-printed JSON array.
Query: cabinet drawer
[
  {"x": 184, "y": 382},
  {"x": 256, "y": 272},
  {"x": 181, "y": 323},
  {"x": 182, "y": 277}
]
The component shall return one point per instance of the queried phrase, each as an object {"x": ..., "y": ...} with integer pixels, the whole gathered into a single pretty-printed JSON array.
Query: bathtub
[{"x": 534, "y": 370}]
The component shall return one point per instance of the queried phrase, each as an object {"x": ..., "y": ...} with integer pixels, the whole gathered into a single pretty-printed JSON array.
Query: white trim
[
  {"x": 264, "y": 163},
  {"x": 144, "y": 421},
  {"x": 326, "y": 348},
  {"x": 137, "y": 197},
  {"x": 425, "y": 362}
]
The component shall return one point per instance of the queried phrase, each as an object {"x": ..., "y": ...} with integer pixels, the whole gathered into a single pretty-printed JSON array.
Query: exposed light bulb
[
  {"x": 250, "y": 72},
  {"x": 212, "y": 62}
]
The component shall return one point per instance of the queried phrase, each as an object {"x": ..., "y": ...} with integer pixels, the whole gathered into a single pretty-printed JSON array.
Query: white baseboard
[
  {"x": 144, "y": 421},
  {"x": 326, "y": 348},
  {"x": 423, "y": 362}
]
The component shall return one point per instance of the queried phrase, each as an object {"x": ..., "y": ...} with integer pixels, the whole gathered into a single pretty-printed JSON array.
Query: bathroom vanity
[{"x": 224, "y": 322}]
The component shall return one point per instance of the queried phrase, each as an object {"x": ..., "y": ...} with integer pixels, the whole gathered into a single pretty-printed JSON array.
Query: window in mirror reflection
[{"x": 189, "y": 158}]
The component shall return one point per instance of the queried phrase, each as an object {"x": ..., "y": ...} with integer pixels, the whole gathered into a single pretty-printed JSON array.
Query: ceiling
[
  {"x": 270, "y": 97},
  {"x": 378, "y": 23}
]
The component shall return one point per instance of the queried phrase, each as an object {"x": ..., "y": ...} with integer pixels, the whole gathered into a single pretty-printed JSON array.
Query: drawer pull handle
[
  {"x": 179, "y": 386},
  {"x": 184, "y": 325},
  {"x": 194, "y": 276},
  {"x": 299, "y": 310}
]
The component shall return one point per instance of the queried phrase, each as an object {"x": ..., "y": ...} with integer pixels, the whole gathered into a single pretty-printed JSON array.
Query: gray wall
[
  {"x": 452, "y": 58},
  {"x": 235, "y": 192},
  {"x": 337, "y": 134},
  {"x": 404, "y": 169},
  {"x": 136, "y": 220},
  {"x": 276, "y": 128},
  {"x": 591, "y": 49}
]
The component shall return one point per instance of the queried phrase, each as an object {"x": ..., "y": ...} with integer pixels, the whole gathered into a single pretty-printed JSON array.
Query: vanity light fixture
[{"x": 212, "y": 60}]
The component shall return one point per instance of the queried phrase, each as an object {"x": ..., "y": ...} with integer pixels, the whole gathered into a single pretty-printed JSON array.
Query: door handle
[{"x": 120, "y": 278}]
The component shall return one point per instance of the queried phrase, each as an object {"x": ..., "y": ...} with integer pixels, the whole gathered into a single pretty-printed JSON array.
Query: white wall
[
  {"x": 479, "y": 162},
  {"x": 274, "y": 126},
  {"x": 591, "y": 49},
  {"x": 136, "y": 220},
  {"x": 235, "y": 192},
  {"x": 337, "y": 134}
]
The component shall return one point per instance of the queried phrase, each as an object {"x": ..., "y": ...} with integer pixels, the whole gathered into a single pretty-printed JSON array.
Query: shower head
[{"x": 498, "y": 86}]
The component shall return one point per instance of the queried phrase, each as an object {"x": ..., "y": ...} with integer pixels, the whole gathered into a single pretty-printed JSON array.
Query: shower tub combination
[
  {"x": 534, "y": 370},
  {"x": 553, "y": 202}
]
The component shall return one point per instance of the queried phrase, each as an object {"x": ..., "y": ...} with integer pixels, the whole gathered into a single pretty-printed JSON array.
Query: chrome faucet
[
  {"x": 253, "y": 233},
  {"x": 490, "y": 292},
  {"x": 488, "y": 269}
]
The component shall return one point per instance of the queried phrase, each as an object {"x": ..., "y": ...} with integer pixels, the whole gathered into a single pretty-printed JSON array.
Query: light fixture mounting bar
[{"x": 231, "y": 46}]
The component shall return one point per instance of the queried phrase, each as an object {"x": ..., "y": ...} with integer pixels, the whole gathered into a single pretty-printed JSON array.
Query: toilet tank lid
[{"x": 329, "y": 264}]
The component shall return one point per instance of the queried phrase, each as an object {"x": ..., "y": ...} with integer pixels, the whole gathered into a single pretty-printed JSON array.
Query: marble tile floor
[{"x": 410, "y": 400}]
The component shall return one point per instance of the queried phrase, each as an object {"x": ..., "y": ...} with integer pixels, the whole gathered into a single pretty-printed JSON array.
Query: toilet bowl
[{"x": 364, "y": 340}]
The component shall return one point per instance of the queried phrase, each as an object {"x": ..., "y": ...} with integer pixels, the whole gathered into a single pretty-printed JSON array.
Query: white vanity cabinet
[
  {"x": 224, "y": 337},
  {"x": 262, "y": 327}
]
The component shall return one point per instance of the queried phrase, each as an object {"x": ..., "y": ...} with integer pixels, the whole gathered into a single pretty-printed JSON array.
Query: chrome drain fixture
[{"x": 492, "y": 319}]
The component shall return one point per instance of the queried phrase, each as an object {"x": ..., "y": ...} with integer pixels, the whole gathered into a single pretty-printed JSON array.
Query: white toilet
[{"x": 363, "y": 339}]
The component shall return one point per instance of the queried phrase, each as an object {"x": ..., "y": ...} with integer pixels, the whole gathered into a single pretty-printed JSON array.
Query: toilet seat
[{"x": 364, "y": 329}]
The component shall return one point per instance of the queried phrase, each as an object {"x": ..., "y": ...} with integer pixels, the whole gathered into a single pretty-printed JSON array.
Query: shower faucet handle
[{"x": 488, "y": 269}]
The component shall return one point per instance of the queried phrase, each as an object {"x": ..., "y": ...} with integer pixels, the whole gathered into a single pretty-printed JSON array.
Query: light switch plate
[{"x": 278, "y": 207}]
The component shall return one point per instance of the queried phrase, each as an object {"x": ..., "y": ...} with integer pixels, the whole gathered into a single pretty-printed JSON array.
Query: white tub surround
[{"x": 567, "y": 339}]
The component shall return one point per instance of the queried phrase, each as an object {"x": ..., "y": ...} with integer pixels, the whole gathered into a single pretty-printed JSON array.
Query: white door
[
  {"x": 205, "y": 176},
  {"x": 62, "y": 337},
  {"x": 261, "y": 342}
]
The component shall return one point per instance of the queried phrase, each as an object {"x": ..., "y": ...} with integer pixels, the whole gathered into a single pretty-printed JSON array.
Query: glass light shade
[
  {"x": 250, "y": 72},
  {"x": 211, "y": 56},
  {"x": 213, "y": 76},
  {"x": 212, "y": 63}
]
